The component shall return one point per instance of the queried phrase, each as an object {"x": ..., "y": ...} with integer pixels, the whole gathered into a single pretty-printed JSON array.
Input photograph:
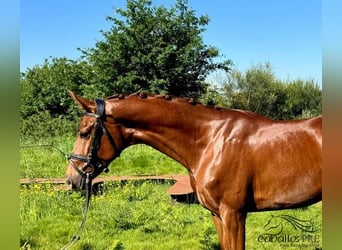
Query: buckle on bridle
[{"x": 88, "y": 169}]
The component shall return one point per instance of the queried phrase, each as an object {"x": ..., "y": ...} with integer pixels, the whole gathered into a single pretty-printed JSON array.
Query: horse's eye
[{"x": 84, "y": 135}]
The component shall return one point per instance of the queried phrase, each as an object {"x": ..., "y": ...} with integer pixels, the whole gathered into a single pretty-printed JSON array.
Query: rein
[
  {"x": 77, "y": 236},
  {"x": 92, "y": 164}
]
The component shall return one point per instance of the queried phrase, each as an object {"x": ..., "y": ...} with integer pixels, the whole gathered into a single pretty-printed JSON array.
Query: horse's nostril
[{"x": 68, "y": 182}]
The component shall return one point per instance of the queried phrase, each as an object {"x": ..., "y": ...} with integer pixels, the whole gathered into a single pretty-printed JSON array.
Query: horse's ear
[{"x": 84, "y": 104}]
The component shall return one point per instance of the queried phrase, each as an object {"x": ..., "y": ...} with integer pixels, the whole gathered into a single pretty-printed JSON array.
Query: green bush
[
  {"x": 259, "y": 90},
  {"x": 42, "y": 125}
]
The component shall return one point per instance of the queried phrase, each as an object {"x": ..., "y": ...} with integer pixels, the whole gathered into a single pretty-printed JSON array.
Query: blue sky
[{"x": 286, "y": 34}]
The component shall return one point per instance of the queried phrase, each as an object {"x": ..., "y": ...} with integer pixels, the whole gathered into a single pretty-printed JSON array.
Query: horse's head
[
  {"x": 272, "y": 223},
  {"x": 99, "y": 141}
]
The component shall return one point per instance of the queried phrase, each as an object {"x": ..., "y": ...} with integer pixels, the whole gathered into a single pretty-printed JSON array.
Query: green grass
[
  {"x": 48, "y": 162},
  {"x": 135, "y": 214},
  {"x": 142, "y": 160},
  {"x": 38, "y": 160}
]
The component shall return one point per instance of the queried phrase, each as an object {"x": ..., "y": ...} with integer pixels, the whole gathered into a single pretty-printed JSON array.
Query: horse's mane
[
  {"x": 166, "y": 97},
  {"x": 190, "y": 101}
]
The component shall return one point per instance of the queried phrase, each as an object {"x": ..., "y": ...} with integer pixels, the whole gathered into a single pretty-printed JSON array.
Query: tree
[
  {"x": 148, "y": 48},
  {"x": 155, "y": 49},
  {"x": 44, "y": 88},
  {"x": 303, "y": 98},
  {"x": 253, "y": 90},
  {"x": 258, "y": 90}
]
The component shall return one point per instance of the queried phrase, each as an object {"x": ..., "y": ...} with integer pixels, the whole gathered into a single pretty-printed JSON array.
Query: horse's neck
[{"x": 171, "y": 127}]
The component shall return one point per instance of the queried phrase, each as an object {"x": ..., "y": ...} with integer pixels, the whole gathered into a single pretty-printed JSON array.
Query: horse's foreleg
[
  {"x": 233, "y": 230},
  {"x": 218, "y": 224}
]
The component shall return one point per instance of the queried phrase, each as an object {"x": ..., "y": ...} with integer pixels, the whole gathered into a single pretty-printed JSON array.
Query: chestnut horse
[{"x": 238, "y": 161}]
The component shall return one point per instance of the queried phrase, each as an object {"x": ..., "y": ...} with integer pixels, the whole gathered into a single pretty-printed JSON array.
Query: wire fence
[{"x": 65, "y": 155}]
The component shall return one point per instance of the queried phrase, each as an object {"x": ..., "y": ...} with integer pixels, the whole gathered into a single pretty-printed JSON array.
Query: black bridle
[{"x": 93, "y": 165}]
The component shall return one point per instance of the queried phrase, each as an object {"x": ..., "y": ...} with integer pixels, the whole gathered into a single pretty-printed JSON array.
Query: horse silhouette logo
[
  {"x": 289, "y": 230},
  {"x": 275, "y": 224}
]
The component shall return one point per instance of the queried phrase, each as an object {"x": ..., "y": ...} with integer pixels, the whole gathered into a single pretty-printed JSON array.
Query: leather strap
[{"x": 100, "y": 107}]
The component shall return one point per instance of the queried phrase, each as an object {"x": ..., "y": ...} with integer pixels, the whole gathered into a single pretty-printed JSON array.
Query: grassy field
[
  {"x": 48, "y": 161},
  {"x": 139, "y": 214}
]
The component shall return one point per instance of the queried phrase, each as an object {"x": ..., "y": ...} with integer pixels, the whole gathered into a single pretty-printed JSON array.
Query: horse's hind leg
[{"x": 233, "y": 230}]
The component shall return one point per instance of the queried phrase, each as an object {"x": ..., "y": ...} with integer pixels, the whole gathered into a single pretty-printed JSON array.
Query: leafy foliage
[
  {"x": 154, "y": 49},
  {"x": 148, "y": 48},
  {"x": 44, "y": 88},
  {"x": 258, "y": 90},
  {"x": 159, "y": 50}
]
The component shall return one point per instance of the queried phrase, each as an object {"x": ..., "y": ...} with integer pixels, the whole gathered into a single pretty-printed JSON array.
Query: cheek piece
[{"x": 93, "y": 165}]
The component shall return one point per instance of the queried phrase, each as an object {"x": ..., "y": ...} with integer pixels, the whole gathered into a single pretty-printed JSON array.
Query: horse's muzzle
[{"x": 76, "y": 185}]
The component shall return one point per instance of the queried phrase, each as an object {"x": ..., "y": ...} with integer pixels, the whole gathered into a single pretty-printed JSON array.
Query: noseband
[{"x": 92, "y": 163}]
